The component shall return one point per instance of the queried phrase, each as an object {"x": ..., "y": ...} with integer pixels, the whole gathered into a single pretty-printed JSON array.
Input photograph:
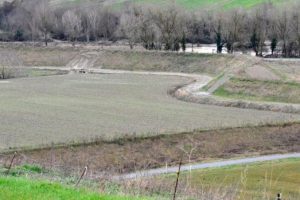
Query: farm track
[{"x": 195, "y": 166}]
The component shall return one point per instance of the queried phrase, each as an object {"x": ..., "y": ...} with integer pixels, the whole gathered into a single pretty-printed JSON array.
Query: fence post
[
  {"x": 279, "y": 196},
  {"x": 83, "y": 173},
  {"x": 177, "y": 179},
  {"x": 11, "y": 163}
]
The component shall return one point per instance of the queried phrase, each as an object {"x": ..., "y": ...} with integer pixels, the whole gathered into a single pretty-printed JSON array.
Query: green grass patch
[
  {"x": 274, "y": 91},
  {"x": 24, "y": 189},
  {"x": 43, "y": 72},
  {"x": 32, "y": 168}
]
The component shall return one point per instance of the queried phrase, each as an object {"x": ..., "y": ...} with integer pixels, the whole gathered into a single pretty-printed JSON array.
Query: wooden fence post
[
  {"x": 177, "y": 179},
  {"x": 11, "y": 163},
  {"x": 83, "y": 173},
  {"x": 279, "y": 196}
]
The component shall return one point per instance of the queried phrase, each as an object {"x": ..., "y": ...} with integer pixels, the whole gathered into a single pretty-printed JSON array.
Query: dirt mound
[
  {"x": 260, "y": 73},
  {"x": 83, "y": 61}
]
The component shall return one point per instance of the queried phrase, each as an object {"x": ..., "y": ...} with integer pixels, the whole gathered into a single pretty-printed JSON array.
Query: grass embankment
[
  {"x": 263, "y": 180},
  {"x": 126, "y": 59},
  {"x": 25, "y": 189},
  {"x": 164, "y": 61},
  {"x": 273, "y": 91}
]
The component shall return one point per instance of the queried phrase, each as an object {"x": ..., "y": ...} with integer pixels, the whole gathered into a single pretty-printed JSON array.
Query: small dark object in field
[{"x": 82, "y": 71}]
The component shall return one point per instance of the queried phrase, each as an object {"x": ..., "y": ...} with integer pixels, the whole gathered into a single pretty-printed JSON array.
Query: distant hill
[{"x": 190, "y": 4}]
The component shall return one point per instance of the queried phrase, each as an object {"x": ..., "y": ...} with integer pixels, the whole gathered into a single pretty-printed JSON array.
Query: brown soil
[{"x": 136, "y": 154}]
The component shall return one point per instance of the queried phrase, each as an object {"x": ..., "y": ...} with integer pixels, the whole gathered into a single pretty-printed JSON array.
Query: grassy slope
[
  {"x": 273, "y": 177},
  {"x": 24, "y": 189},
  {"x": 273, "y": 91}
]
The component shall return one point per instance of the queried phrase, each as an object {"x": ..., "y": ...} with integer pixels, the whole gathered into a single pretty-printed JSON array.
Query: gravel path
[{"x": 169, "y": 170}]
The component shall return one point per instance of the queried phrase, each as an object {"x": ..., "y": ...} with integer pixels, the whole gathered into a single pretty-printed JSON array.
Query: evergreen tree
[
  {"x": 219, "y": 42},
  {"x": 273, "y": 45},
  {"x": 254, "y": 43}
]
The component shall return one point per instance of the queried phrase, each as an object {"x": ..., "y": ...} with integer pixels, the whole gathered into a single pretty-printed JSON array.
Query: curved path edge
[
  {"x": 182, "y": 95},
  {"x": 217, "y": 164}
]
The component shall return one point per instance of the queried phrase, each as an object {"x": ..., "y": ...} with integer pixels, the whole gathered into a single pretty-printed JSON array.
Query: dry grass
[
  {"x": 263, "y": 180},
  {"x": 274, "y": 91},
  {"x": 40, "y": 56}
]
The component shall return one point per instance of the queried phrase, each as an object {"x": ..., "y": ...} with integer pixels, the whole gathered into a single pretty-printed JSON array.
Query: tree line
[{"x": 167, "y": 27}]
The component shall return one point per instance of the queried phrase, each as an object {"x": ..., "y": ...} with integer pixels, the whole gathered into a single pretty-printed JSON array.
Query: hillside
[{"x": 191, "y": 4}]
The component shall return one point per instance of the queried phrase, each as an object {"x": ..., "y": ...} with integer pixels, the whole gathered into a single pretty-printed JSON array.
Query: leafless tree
[
  {"x": 233, "y": 28},
  {"x": 72, "y": 25},
  {"x": 259, "y": 23},
  {"x": 108, "y": 23},
  {"x": 44, "y": 18},
  {"x": 170, "y": 24},
  {"x": 129, "y": 25},
  {"x": 149, "y": 34},
  {"x": 90, "y": 22},
  {"x": 283, "y": 29},
  {"x": 295, "y": 27},
  {"x": 193, "y": 28}
]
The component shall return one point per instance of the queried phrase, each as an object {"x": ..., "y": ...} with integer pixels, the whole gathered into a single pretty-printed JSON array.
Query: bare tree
[
  {"x": 259, "y": 24},
  {"x": 283, "y": 30},
  {"x": 108, "y": 23},
  {"x": 90, "y": 21},
  {"x": 295, "y": 27},
  {"x": 44, "y": 18},
  {"x": 193, "y": 29},
  {"x": 169, "y": 22},
  {"x": 233, "y": 28},
  {"x": 148, "y": 31},
  {"x": 217, "y": 24},
  {"x": 129, "y": 25},
  {"x": 72, "y": 25},
  {"x": 28, "y": 18}
]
